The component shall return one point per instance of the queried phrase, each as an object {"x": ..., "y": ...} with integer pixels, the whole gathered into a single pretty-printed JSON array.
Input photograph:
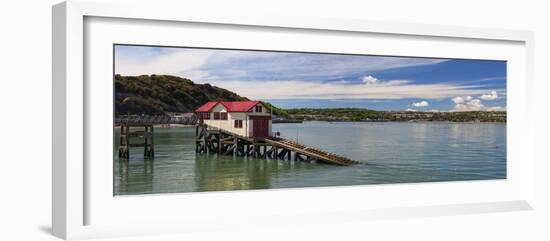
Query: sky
[{"x": 321, "y": 80}]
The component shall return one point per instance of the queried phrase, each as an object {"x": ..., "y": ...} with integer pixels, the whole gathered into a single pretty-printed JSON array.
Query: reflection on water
[
  {"x": 135, "y": 176},
  {"x": 218, "y": 173},
  {"x": 389, "y": 152}
]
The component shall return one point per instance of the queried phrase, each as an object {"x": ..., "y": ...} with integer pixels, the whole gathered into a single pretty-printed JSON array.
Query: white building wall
[{"x": 229, "y": 124}]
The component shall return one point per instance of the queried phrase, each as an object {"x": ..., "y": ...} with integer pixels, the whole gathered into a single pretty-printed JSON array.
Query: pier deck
[{"x": 215, "y": 140}]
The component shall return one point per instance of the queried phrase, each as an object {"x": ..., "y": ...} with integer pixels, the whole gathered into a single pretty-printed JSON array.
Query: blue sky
[{"x": 294, "y": 80}]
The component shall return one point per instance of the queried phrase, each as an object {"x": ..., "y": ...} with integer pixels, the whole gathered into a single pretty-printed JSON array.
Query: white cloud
[
  {"x": 496, "y": 108},
  {"x": 253, "y": 65},
  {"x": 175, "y": 62},
  {"x": 410, "y": 110},
  {"x": 196, "y": 74},
  {"x": 475, "y": 103},
  {"x": 461, "y": 99},
  {"x": 458, "y": 100},
  {"x": 470, "y": 104},
  {"x": 421, "y": 104},
  {"x": 369, "y": 80},
  {"x": 490, "y": 96},
  {"x": 297, "y": 89},
  {"x": 433, "y": 110}
]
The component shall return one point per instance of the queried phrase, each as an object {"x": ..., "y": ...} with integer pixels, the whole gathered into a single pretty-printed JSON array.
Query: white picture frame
[{"x": 73, "y": 191}]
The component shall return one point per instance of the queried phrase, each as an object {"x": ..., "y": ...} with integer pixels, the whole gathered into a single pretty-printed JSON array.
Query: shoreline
[{"x": 170, "y": 126}]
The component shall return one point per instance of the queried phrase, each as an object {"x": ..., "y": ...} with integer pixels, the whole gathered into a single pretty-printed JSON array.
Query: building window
[
  {"x": 220, "y": 115},
  {"x": 258, "y": 108},
  {"x": 238, "y": 123},
  {"x": 204, "y": 115}
]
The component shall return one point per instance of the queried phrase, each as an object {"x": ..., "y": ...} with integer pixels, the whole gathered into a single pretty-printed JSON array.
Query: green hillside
[{"x": 159, "y": 94}]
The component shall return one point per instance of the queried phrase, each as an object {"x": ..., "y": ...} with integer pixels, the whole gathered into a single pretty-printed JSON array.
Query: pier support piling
[
  {"x": 215, "y": 140},
  {"x": 145, "y": 132}
]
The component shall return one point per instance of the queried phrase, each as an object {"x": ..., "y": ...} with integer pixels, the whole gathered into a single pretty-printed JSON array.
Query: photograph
[{"x": 193, "y": 119}]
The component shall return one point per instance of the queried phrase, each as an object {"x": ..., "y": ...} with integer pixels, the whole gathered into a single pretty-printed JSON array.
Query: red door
[{"x": 260, "y": 126}]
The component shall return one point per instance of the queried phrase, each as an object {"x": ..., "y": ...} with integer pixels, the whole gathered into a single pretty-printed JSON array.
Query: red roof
[
  {"x": 231, "y": 106},
  {"x": 207, "y": 107}
]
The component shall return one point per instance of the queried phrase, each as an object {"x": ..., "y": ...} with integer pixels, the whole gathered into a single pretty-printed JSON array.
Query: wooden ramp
[{"x": 310, "y": 152}]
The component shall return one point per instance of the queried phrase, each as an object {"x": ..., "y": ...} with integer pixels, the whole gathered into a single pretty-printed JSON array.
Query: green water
[{"x": 390, "y": 152}]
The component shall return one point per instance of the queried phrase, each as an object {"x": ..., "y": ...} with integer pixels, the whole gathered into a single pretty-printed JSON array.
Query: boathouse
[{"x": 244, "y": 118}]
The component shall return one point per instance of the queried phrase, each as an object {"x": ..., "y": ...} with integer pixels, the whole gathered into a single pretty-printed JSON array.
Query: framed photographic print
[
  {"x": 172, "y": 115},
  {"x": 224, "y": 119}
]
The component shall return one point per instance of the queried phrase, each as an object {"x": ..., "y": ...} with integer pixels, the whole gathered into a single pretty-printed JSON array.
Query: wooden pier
[
  {"x": 214, "y": 140},
  {"x": 128, "y": 133},
  {"x": 141, "y": 128}
]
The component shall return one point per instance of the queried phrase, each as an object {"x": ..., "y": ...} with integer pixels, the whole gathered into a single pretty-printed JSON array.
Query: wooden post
[
  {"x": 219, "y": 146},
  {"x": 124, "y": 142},
  {"x": 197, "y": 143},
  {"x": 146, "y": 144},
  {"x": 238, "y": 150},
  {"x": 205, "y": 137},
  {"x": 149, "y": 146},
  {"x": 127, "y": 141},
  {"x": 282, "y": 154},
  {"x": 235, "y": 144},
  {"x": 121, "y": 142},
  {"x": 254, "y": 148},
  {"x": 152, "y": 142}
]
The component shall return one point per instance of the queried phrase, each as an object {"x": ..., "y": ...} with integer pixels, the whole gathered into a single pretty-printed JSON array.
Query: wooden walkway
[
  {"x": 214, "y": 140},
  {"x": 310, "y": 152}
]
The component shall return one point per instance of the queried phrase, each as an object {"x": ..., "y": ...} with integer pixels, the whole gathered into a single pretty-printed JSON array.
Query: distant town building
[
  {"x": 179, "y": 116},
  {"x": 245, "y": 118}
]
